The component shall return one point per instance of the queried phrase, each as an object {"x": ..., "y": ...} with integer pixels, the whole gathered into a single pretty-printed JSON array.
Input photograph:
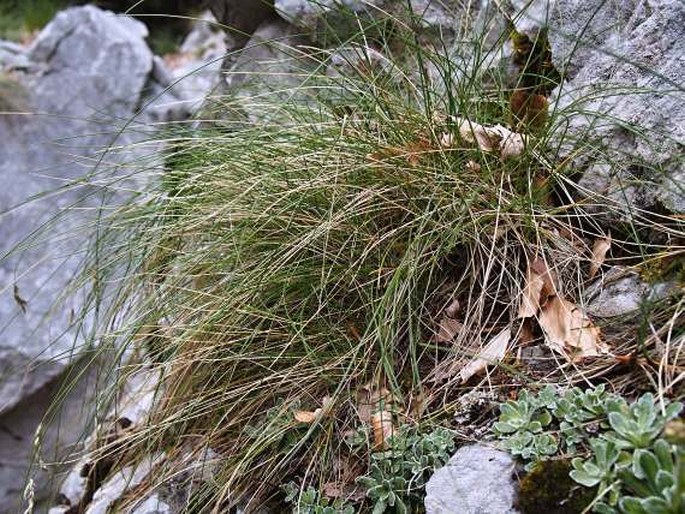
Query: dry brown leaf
[
  {"x": 417, "y": 405},
  {"x": 569, "y": 331},
  {"x": 485, "y": 138},
  {"x": 539, "y": 286},
  {"x": 448, "y": 329},
  {"x": 446, "y": 140},
  {"x": 492, "y": 353},
  {"x": 307, "y": 416},
  {"x": 370, "y": 400},
  {"x": 453, "y": 308},
  {"x": 599, "y": 253},
  {"x": 383, "y": 429},
  {"x": 496, "y": 138},
  {"x": 332, "y": 490},
  {"x": 526, "y": 335},
  {"x": 512, "y": 144},
  {"x": 473, "y": 166}
]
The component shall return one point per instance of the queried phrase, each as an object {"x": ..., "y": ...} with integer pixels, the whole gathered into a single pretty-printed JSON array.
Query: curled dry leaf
[
  {"x": 448, "y": 329},
  {"x": 492, "y": 353},
  {"x": 307, "y": 416},
  {"x": 492, "y": 139},
  {"x": 473, "y": 166},
  {"x": 446, "y": 140},
  {"x": 372, "y": 399},
  {"x": 569, "y": 331},
  {"x": 453, "y": 308},
  {"x": 383, "y": 429},
  {"x": 417, "y": 405},
  {"x": 599, "y": 253},
  {"x": 512, "y": 144},
  {"x": 539, "y": 286}
]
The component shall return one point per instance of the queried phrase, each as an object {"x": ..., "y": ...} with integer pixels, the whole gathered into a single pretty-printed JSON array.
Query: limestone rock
[
  {"x": 620, "y": 292},
  {"x": 13, "y": 56},
  {"x": 624, "y": 65},
  {"x": 476, "y": 480},
  {"x": 75, "y": 88},
  {"x": 85, "y": 85},
  {"x": 275, "y": 62},
  {"x": 199, "y": 72},
  {"x": 152, "y": 505},
  {"x": 121, "y": 481}
]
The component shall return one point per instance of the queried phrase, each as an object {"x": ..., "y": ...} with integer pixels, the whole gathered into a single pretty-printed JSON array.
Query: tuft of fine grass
[{"x": 297, "y": 257}]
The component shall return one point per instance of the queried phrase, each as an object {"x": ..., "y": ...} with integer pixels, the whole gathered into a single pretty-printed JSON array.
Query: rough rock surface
[
  {"x": 152, "y": 505},
  {"x": 620, "y": 292},
  {"x": 476, "y": 480},
  {"x": 308, "y": 14},
  {"x": 74, "y": 88},
  {"x": 275, "y": 59},
  {"x": 87, "y": 83},
  {"x": 635, "y": 51},
  {"x": 198, "y": 74}
]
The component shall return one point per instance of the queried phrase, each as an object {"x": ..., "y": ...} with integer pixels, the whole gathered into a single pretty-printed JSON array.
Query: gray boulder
[
  {"x": 199, "y": 72},
  {"x": 310, "y": 14},
  {"x": 76, "y": 110},
  {"x": 240, "y": 18},
  {"x": 276, "y": 61},
  {"x": 624, "y": 65},
  {"x": 476, "y": 480},
  {"x": 80, "y": 99},
  {"x": 620, "y": 292}
]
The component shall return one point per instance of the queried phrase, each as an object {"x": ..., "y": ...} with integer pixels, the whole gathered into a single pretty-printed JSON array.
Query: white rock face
[
  {"x": 625, "y": 66},
  {"x": 476, "y": 480},
  {"x": 275, "y": 61},
  {"x": 620, "y": 292},
  {"x": 153, "y": 505},
  {"x": 88, "y": 73},
  {"x": 199, "y": 74},
  {"x": 85, "y": 84},
  {"x": 309, "y": 13},
  {"x": 120, "y": 482}
]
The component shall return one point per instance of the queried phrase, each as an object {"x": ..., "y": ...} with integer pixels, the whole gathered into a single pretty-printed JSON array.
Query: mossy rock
[{"x": 549, "y": 488}]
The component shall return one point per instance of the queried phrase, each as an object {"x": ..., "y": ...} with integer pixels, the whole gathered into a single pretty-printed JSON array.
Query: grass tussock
[{"x": 306, "y": 258}]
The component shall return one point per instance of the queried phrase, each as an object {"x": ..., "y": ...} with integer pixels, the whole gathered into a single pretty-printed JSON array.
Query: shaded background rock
[{"x": 241, "y": 18}]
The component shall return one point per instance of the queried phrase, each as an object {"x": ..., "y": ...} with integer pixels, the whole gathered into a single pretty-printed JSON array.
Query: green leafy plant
[
  {"x": 656, "y": 481},
  {"x": 310, "y": 501},
  {"x": 582, "y": 413},
  {"x": 619, "y": 446},
  {"x": 638, "y": 425},
  {"x": 397, "y": 476},
  {"x": 521, "y": 426}
]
